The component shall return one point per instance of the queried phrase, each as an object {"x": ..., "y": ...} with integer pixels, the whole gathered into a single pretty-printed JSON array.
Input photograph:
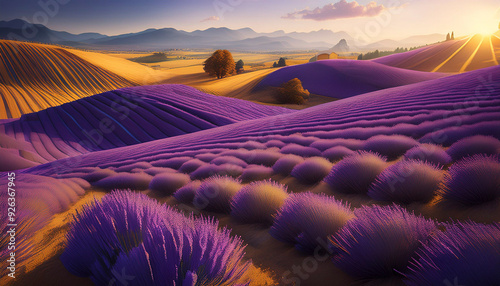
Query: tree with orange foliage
[
  {"x": 292, "y": 92},
  {"x": 220, "y": 64}
]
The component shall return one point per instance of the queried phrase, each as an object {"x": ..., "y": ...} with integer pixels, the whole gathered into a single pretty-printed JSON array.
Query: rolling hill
[
  {"x": 34, "y": 77},
  {"x": 345, "y": 78},
  {"x": 419, "y": 110},
  {"x": 455, "y": 56},
  {"x": 119, "y": 118},
  {"x": 429, "y": 116}
]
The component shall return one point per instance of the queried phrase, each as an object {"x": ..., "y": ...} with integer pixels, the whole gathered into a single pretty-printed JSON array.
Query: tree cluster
[
  {"x": 281, "y": 63},
  {"x": 450, "y": 36},
  {"x": 377, "y": 54}
]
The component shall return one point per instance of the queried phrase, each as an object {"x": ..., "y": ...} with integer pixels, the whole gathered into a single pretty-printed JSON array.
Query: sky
[{"x": 363, "y": 19}]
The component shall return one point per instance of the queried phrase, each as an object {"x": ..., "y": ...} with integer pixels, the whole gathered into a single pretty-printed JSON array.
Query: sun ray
[
  {"x": 452, "y": 55},
  {"x": 469, "y": 60}
]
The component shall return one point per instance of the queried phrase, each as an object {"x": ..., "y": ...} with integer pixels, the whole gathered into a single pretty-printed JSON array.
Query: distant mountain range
[{"x": 244, "y": 39}]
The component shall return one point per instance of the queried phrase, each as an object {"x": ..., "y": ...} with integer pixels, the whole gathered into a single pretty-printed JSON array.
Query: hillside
[
  {"x": 345, "y": 78},
  {"x": 455, "y": 56},
  {"x": 34, "y": 77},
  {"x": 119, "y": 118}
]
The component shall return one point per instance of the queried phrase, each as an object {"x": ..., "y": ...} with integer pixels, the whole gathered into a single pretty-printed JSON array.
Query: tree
[
  {"x": 293, "y": 92},
  {"x": 282, "y": 62},
  {"x": 275, "y": 65},
  {"x": 239, "y": 66},
  {"x": 448, "y": 37},
  {"x": 453, "y": 35},
  {"x": 220, "y": 64},
  {"x": 360, "y": 57}
]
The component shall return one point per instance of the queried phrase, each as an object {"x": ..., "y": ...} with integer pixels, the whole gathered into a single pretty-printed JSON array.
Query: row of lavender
[
  {"x": 124, "y": 117},
  {"x": 438, "y": 112},
  {"x": 417, "y": 176},
  {"x": 367, "y": 243}
]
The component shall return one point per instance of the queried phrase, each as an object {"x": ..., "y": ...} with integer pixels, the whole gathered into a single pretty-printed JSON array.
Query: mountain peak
[{"x": 341, "y": 47}]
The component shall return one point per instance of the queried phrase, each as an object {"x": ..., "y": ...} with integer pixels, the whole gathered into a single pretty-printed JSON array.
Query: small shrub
[
  {"x": 292, "y": 92},
  {"x": 464, "y": 254},
  {"x": 406, "y": 182},
  {"x": 275, "y": 143},
  {"x": 173, "y": 163},
  {"x": 191, "y": 166},
  {"x": 186, "y": 193},
  {"x": 158, "y": 170},
  {"x": 286, "y": 164},
  {"x": 379, "y": 241},
  {"x": 229, "y": 160},
  {"x": 256, "y": 172},
  {"x": 355, "y": 173},
  {"x": 215, "y": 194},
  {"x": 155, "y": 244},
  {"x": 98, "y": 175},
  {"x": 391, "y": 146},
  {"x": 307, "y": 219},
  {"x": 429, "y": 153},
  {"x": 206, "y": 157},
  {"x": 473, "y": 145},
  {"x": 168, "y": 183},
  {"x": 263, "y": 157},
  {"x": 139, "y": 165},
  {"x": 138, "y": 181},
  {"x": 209, "y": 170},
  {"x": 300, "y": 150},
  {"x": 253, "y": 145},
  {"x": 258, "y": 202},
  {"x": 337, "y": 153},
  {"x": 312, "y": 170},
  {"x": 324, "y": 144},
  {"x": 472, "y": 181}
]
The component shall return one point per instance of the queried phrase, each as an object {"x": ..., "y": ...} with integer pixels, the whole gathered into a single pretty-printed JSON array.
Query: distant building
[{"x": 326, "y": 56}]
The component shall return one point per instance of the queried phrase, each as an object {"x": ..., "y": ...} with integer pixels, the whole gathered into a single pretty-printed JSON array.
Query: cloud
[
  {"x": 211, "y": 18},
  {"x": 339, "y": 10}
]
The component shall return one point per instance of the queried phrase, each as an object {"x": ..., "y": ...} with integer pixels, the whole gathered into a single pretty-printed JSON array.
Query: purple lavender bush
[
  {"x": 138, "y": 181},
  {"x": 379, "y": 242},
  {"x": 186, "y": 193},
  {"x": 300, "y": 150},
  {"x": 286, "y": 164},
  {"x": 429, "y": 153},
  {"x": 465, "y": 254},
  {"x": 472, "y": 181},
  {"x": 167, "y": 183},
  {"x": 391, "y": 146},
  {"x": 307, "y": 219},
  {"x": 215, "y": 194},
  {"x": 312, "y": 170},
  {"x": 336, "y": 153},
  {"x": 256, "y": 172},
  {"x": 229, "y": 160},
  {"x": 152, "y": 244},
  {"x": 209, "y": 170},
  {"x": 473, "y": 145},
  {"x": 258, "y": 202},
  {"x": 191, "y": 166},
  {"x": 355, "y": 173},
  {"x": 407, "y": 181},
  {"x": 263, "y": 157}
]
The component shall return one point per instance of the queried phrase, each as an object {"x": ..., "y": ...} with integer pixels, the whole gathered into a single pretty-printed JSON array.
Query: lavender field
[{"x": 152, "y": 158}]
